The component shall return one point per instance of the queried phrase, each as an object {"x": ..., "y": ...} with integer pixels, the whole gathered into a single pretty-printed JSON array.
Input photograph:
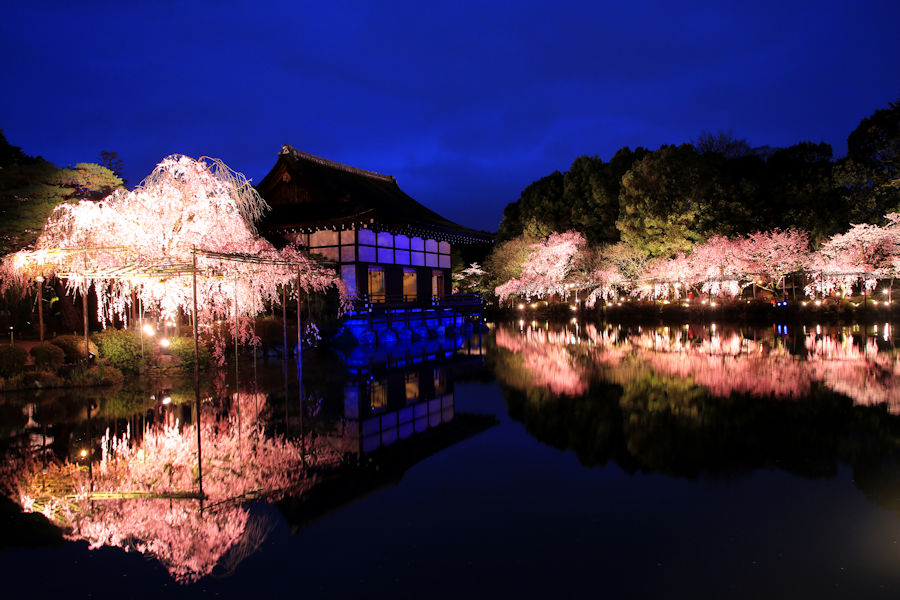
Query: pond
[{"x": 532, "y": 459}]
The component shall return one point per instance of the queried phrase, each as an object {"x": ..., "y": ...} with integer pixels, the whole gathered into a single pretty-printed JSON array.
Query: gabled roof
[{"x": 307, "y": 192}]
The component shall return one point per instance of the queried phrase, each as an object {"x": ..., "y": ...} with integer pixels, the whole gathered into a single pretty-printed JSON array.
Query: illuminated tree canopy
[
  {"x": 141, "y": 245},
  {"x": 719, "y": 267}
]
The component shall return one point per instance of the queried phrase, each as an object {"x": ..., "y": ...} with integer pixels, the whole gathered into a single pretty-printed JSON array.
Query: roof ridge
[{"x": 288, "y": 149}]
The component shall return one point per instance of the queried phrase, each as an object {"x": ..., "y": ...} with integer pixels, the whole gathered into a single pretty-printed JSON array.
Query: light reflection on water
[
  {"x": 777, "y": 362},
  {"x": 687, "y": 402},
  {"x": 120, "y": 467}
]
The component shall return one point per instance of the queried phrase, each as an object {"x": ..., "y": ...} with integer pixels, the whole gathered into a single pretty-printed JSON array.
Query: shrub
[
  {"x": 122, "y": 347},
  {"x": 73, "y": 347},
  {"x": 183, "y": 348},
  {"x": 48, "y": 357},
  {"x": 12, "y": 360},
  {"x": 99, "y": 374}
]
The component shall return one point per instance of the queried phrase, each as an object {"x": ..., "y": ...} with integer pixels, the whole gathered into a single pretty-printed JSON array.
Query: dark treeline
[
  {"x": 31, "y": 187},
  {"x": 663, "y": 201}
]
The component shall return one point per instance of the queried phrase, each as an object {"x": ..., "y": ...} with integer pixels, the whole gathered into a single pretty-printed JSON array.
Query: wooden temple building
[{"x": 392, "y": 252}]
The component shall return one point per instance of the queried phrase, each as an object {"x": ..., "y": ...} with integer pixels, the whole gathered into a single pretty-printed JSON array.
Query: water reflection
[
  {"x": 123, "y": 471},
  {"x": 769, "y": 362},
  {"x": 717, "y": 402}
]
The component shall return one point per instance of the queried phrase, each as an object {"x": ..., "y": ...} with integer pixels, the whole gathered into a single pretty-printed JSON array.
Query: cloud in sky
[{"x": 465, "y": 103}]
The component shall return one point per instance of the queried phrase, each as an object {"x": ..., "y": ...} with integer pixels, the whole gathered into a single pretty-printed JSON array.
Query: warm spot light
[
  {"x": 164, "y": 343},
  {"x": 167, "y": 400},
  {"x": 83, "y": 453},
  {"x": 148, "y": 329},
  {"x": 885, "y": 291},
  {"x": 521, "y": 307},
  {"x": 818, "y": 303}
]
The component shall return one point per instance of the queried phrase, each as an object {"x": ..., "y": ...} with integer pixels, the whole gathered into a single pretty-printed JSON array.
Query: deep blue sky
[{"x": 465, "y": 103}]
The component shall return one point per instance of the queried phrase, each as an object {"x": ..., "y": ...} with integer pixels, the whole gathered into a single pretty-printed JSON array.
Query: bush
[
  {"x": 183, "y": 348},
  {"x": 12, "y": 360},
  {"x": 99, "y": 374},
  {"x": 73, "y": 347},
  {"x": 31, "y": 380},
  {"x": 48, "y": 357},
  {"x": 122, "y": 347}
]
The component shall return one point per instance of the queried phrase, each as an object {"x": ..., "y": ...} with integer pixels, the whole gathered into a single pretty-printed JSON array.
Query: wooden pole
[
  {"x": 299, "y": 321},
  {"x": 197, "y": 377},
  {"x": 236, "y": 340},
  {"x": 300, "y": 369},
  {"x": 40, "y": 303},
  {"x": 84, "y": 310},
  {"x": 284, "y": 359}
]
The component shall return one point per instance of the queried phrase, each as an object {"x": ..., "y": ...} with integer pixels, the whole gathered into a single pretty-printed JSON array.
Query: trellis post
[
  {"x": 196, "y": 372},
  {"x": 40, "y": 303}
]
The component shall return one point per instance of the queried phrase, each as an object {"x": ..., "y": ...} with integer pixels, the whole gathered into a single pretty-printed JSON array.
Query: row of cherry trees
[{"x": 563, "y": 263}]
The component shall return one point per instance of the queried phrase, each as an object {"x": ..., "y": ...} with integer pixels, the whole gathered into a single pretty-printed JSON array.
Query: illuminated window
[
  {"x": 348, "y": 274},
  {"x": 376, "y": 284},
  {"x": 437, "y": 283},
  {"x": 409, "y": 285},
  {"x": 440, "y": 382},
  {"x": 377, "y": 395},
  {"x": 412, "y": 387}
]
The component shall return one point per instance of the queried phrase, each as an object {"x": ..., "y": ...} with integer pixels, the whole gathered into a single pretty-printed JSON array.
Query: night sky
[{"x": 465, "y": 103}]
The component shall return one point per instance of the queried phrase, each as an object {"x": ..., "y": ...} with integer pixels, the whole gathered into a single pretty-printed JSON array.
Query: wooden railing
[{"x": 389, "y": 302}]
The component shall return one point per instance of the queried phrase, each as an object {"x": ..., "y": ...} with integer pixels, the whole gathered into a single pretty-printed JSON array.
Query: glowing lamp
[
  {"x": 521, "y": 307},
  {"x": 83, "y": 453},
  {"x": 164, "y": 343},
  {"x": 818, "y": 303},
  {"x": 885, "y": 291},
  {"x": 167, "y": 400},
  {"x": 148, "y": 329}
]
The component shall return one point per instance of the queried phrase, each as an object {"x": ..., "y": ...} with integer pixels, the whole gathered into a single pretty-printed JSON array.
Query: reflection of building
[
  {"x": 399, "y": 408},
  {"x": 393, "y": 406},
  {"x": 391, "y": 395}
]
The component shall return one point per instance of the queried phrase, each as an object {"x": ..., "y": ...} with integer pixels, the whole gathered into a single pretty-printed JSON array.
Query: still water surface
[{"x": 534, "y": 459}]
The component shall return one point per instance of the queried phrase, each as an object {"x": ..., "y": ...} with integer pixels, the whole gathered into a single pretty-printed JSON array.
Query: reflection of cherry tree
[
  {"x": 724, "y": 364},
  {"x": 141, "y": 494},
  {"x": 546, "y": 358},
  {"x": 757, "y": 374},
  {"x": 858, "y": 371},
  {"x": 141, "y": 244}
]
